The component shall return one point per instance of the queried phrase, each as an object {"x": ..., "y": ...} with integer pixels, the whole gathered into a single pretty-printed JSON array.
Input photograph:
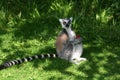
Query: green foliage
[{"x": 30, "y": 27}]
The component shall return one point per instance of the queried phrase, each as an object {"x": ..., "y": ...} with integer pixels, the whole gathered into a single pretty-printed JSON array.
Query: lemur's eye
[{"x": 64, "y": 22}]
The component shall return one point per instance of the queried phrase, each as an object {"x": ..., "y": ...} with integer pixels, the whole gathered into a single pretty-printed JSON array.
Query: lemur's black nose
[{"x": 67, "y": 25}]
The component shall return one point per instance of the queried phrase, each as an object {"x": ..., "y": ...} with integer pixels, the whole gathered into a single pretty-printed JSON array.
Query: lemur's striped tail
[{"x": 26, "y": 59}]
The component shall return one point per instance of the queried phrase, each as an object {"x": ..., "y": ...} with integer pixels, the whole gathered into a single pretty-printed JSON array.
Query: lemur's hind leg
[
  {"x": 81, "y": 59},
  {"x": 78, "y": 60}
]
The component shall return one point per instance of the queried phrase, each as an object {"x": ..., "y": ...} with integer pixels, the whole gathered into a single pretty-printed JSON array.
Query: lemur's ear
[
  {"x": 60, "y": 20},
  {"x": 71, "y": 18}
]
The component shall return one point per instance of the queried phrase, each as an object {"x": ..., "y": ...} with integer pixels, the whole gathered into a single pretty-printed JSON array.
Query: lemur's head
[{"x": 66, "y": 23}]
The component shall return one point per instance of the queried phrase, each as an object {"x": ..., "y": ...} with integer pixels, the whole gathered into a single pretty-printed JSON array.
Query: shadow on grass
[
  {"x": 0, "y": 42},
  {"x": 56, "y": 64},
  {"x": 38, "y": 28},
  {"x": 102, "y": 63},
  {"x": 2, "y": 32},
  {"x": 18, "y": 54},
  {"x": 59, "y": 65},
  {"x": 55, "y": 78},
  {"x": 26, "y": 6}
]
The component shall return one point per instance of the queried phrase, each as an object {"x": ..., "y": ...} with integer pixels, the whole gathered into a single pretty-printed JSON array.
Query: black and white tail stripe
[{"x": 26, "y": 59}]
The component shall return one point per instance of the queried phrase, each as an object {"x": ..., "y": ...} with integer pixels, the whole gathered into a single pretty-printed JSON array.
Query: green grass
[{"x": 29, "y": 28}]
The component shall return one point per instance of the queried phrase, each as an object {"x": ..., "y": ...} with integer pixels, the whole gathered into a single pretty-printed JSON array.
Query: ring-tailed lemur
[{"x": 67, "y": 46}]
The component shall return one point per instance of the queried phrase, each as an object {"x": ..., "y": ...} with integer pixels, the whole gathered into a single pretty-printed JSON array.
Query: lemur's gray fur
[{"x": 67, "y": 45}]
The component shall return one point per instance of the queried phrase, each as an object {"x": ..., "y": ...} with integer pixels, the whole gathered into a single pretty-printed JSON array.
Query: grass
[{"x": 29, "y": 28}]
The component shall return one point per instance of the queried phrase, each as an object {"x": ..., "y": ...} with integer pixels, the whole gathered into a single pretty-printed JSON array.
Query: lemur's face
[{"x": 66, "y": 23}]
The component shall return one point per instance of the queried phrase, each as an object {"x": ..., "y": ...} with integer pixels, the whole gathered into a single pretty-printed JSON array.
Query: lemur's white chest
[{"x": 71, "y": 35}]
